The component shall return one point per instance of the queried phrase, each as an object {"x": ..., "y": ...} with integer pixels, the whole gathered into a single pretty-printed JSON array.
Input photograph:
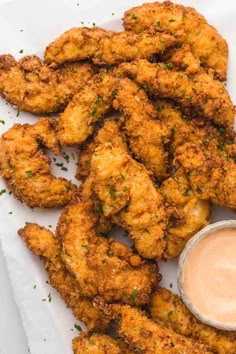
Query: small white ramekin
[{"x": 183, "y": 257}]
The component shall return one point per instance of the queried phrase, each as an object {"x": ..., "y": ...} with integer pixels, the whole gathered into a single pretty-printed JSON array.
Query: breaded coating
[
  {"x": 146, "y": 135},
  {"x": 211, "y": 177},
  {"x": 168, "y": 310},
  {"x": 102, "y": 266},
  {"x": 196, "y": 131},
  {"x": 99, "y": 343},
  {"x": 26, "y": 169},
  {"x": 188, "y": 26},
  {"x": 130, "y": 198},
  {"x": 146, "y": 336},
  {"x": 199, "y": 94},
  {"x": 182, "y": 58},
  {"x": 106, "y": 47},
  {"x": 190, "y": 213},
  {"x": 90, "y": 105},
  {"x": 33, "y": 86},
  {"x": 43, "y": 243},
  {"x": 109, "y": 132}
]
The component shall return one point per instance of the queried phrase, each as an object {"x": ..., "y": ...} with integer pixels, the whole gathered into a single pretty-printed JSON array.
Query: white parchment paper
[{"x": 30, "y": 25}]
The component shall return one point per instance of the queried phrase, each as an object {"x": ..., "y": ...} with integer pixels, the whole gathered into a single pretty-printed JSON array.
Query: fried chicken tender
[
  {"x": 146, "y": 135},
  {"x": 198, "y": 94},
  {"x": 106, "y": 47},
  {"x": 101, "y": 266},
  {"x": 129, "y": 197},
  {"x": 26, "y": 169},
  {"x": 90, "y": 105},
  {"x": 43, "y": 243},
  {"x": 98, "y": 343},
  {"x": 168, "y": 310},
  {"x": 146, "y": 336},
  {"x": 188, "y": 26},
  {"x": 191, "y": 213},
  {"x": 34, "y": 87},
  {"x": 211, "y": 177}
]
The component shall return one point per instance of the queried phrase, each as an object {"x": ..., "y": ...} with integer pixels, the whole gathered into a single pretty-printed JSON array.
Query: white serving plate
[{"x": 49, "y": 327}]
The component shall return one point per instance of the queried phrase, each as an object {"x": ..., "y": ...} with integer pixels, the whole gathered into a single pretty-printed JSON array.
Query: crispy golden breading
[
  {"x": 211, "y": 177},
  {"x": 182, "y": 59},
  {"x": 106, "y": 47},
  {"x": 129, "y": 197},
  {"x": 146, "y": 136},
  {"x": 190, "y": 213},
  {"x": 169, "y": 310},
  {"x": 199, "y": 94},
  {"x": 44, "y": 244},
  {"x": 34, "y": 87},
  {"x": 145, "y": 335},
  {"x": 101, "y": 266},
  {"x": 26, "y": 169},
  {"x": 188, "y": 26},
  {"x": 90, "y": 105},
  {"x": 109, "y": 132},
  {"x": 99, "y": 343}
]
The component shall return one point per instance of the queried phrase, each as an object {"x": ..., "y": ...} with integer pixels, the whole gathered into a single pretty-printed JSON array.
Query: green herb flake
[
  {"x": 114, "y": 93},
  {"x": 78, "y": 327},
  {"x": 50, "y": 226},
  {"x": 86, "y": 247},
  {"x": 35, "y": 287},
  {"x": 28, "y": 173},
  {"x": 145, "y": 87},
  {"x": 91, "y": 342},
  {"x": 172, "y": 130},
  {"x": 186, "y": 193},
  {"x": 64, "y": 169},
  {"x": 172, "y": 20},
  {"x": 103, "y": 261},
  {"x": 99, "y": 98},
  {"x": 161, "y": 41},
  {"x": 169, "y": 66},
  {"x": 120, "y": 195},
  {"x": 49, "y": 297},
  {"x": 146, "y": 230},
  {"x": 155, "y": 216},
  {"x": 170, "y": 313},
  {"x": 94, "y": 24},
  {"x": 124, "y": 189},
  {"x": 171, "y": 285},
  {"x": 134, "y": 294},
  {"x": 21, "y": 51},
  {"x": 163, "y": 195},
  {"x": 122, "y": 176},
  {"x": 139, "y": 346},
  {"x": 69, "y": 188},
  {"x": 2, "y": 121},
  {"x": 94, "y": 111},
  {"x": 222, "y": 147},
  {"x": 158, "y": 24},
  {"x": 134, "y": 17},
  {"x": 189, "y": 99},
  {"x": 111, "y": 191}
]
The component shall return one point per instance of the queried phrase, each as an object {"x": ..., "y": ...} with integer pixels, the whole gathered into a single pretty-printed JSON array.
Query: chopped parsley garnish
[
  {"x": 171, "y": 285},
  {"x": 122, "y": 176},
  {"x": 2, "y": 121},
  {"x": 186, "y": 193},
  {"x": 28, "y": 173},
  {"x": 35, "y": 286},
  {"x": 49, "y": 297},
  {"x": 134, "y": 294},
  {"x": 91, "y": 342},
  {"x": 87, "y": 247},
  {"x": 139, "y": 346},
  {"x": 21, "y": 51},
  {"x": 172, "y": 20},
  {"x": 120, "y": 195},
  {"x": 158, "y": 24},
  {"x": 99, "y": 98},
  {"x": 146, "y": 230},
  {"x": 134, "y": 17},
  {"x": 169, "y": 66},
  {"x": 94, "y": 111},
  {"x": 170, "y": 313},
  {"x": 78, "y": 328},
  {"x": 111, "y": 191},
  {"x": 124, "y": 189},
  {"x": 114, "y": 93},
  {"x": 222, "y": 147},
  {"x": 145, "y": 87},
  {"x": 69, "y": 188},
  {"x": 155, "y": 216},
  {"x": 161, "y": 41}
]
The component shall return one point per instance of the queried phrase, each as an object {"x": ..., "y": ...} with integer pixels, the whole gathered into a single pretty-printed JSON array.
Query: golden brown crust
[
  {"x": 190, "y": 213},
  {"x": 129, "y": 197},
  {"x": 198, "y": 94},
  {"x": 168, "y": 310},
  {"x": 102, "y": 266},
  {"x": 106, "y": 47},
  {"x": 188, "y": 26},
  {"x": 34, "y": 87},
  {"x": 98, "y": 343},
  {"x": 146, "y": 336},
  {"x": 26, "y": 169},
  {"x": 44, "y": 244}
]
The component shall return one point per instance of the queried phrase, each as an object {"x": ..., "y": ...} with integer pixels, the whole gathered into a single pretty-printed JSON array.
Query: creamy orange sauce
[{"x": 210, "y": 275}]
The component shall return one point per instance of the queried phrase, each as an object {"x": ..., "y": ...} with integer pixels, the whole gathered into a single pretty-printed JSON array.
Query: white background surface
[{"x": 48, "y": 326}]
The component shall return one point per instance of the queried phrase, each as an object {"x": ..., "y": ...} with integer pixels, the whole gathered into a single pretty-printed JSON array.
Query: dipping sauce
[{"x": 210, "y": 275}]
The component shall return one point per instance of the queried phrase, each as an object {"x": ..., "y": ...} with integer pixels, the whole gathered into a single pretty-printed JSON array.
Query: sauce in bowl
[{"x": 207, "y": 276}]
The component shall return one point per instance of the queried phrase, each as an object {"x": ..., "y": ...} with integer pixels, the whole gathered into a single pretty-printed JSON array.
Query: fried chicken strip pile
[
  {"x": 198, "y": 94},
  {"x": 190, "y": 213},
  {"x": 146, "y": 336},
  {"x": 26, "y": 169},
  {"x": 168, "y": 310},
  {"x": 188, "y": 26},
  {"x": 101, "y": 266},
  {"x": 99, "y": 344},
  {"x": 106, "y": 47},
  {"x": 129, "y": 197},
  {"x": 43, "y": 243},
  {"x": 33, "y": 86}
]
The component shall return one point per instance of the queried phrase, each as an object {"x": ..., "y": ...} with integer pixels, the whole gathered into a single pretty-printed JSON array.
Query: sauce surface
[{"x": 210, "y": 275}]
